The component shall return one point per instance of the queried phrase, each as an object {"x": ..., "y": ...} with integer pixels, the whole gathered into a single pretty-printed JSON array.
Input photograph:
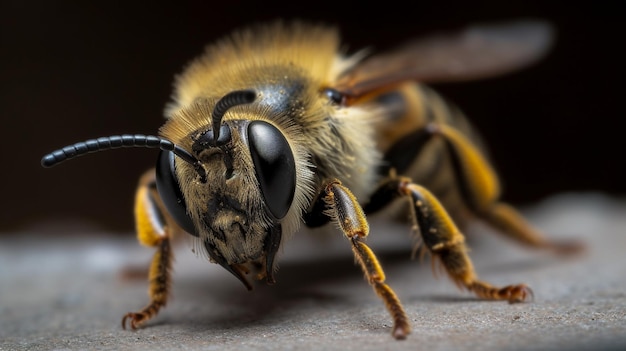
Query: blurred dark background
[{"x": 70, "y": 71}]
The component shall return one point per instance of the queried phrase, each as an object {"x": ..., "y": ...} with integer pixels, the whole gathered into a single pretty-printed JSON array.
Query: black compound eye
[
  {"x": 334, "y": 96},
  {"x": 169, "y": 190},
  {"x": 274, "y": 166}
]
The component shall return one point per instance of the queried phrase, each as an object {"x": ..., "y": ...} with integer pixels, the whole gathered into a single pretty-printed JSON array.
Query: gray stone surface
[{"x": 65, "y": 292}]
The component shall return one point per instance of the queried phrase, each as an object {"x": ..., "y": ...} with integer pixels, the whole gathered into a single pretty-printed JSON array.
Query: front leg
[
  {"x": 154, "y": 230},
  {"x": 346, "y": 212}
]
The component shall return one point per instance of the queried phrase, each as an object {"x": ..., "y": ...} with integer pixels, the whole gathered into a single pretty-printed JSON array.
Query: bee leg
[
  {"x": 445, "y": 241},
  {"x": 347, "y": 213},
  {"x": 510, "y": 222},
  {"x": 152, "y": 231},
  {"x": 481, "y": 190}
]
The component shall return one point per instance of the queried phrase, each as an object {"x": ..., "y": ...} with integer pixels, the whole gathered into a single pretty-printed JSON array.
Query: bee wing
[{"x": 474, "y": 53}]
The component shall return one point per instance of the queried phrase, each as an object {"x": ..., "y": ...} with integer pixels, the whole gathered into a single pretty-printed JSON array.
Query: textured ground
[{"x": 66, "y": 293}]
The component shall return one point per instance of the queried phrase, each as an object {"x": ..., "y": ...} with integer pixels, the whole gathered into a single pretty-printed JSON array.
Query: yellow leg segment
[
  {"x": 347, "y": 213},
  {"x": 510, "y": 222},
  {"x": 446, "y": 242},
  {"x": 481, "y": 190},
  {"x": 151, "y": 218}
]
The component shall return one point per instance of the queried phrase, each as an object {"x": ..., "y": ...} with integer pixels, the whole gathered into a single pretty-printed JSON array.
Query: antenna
[
  {"x": 119, "y": 141},
  {"x": 234, "y": 98}
]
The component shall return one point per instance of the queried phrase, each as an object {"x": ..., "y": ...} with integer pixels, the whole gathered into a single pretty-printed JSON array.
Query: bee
[{"x": 275, "y": 126}]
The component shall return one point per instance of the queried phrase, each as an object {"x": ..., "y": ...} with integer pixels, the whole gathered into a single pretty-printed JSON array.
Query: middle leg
[{"x": 443, "y": 239}]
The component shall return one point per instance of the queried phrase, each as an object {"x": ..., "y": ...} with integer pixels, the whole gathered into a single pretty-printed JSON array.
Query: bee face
[
  {"x": 257, "y": 168},
  {"x": 246, "y": 187},
  {"x": 250, "y": 187}
]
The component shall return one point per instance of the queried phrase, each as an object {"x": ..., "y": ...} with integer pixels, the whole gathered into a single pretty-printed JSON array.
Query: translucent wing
[{"x": 474, "y": 53}]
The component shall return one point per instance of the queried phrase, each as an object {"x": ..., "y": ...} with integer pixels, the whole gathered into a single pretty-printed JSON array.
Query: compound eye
[
  {"x": 334, "y": 96},
  {"x": 274, "y": 166},
  {"x": 169, "y": 190}
]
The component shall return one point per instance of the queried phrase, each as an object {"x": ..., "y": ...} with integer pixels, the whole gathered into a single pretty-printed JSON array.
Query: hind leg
[{"x": 480, "y": 190}]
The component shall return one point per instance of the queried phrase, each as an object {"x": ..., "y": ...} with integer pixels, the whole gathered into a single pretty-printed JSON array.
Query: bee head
[
  {"x": 249, "y": 185},
  {"x": 231, "y": 188}
]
